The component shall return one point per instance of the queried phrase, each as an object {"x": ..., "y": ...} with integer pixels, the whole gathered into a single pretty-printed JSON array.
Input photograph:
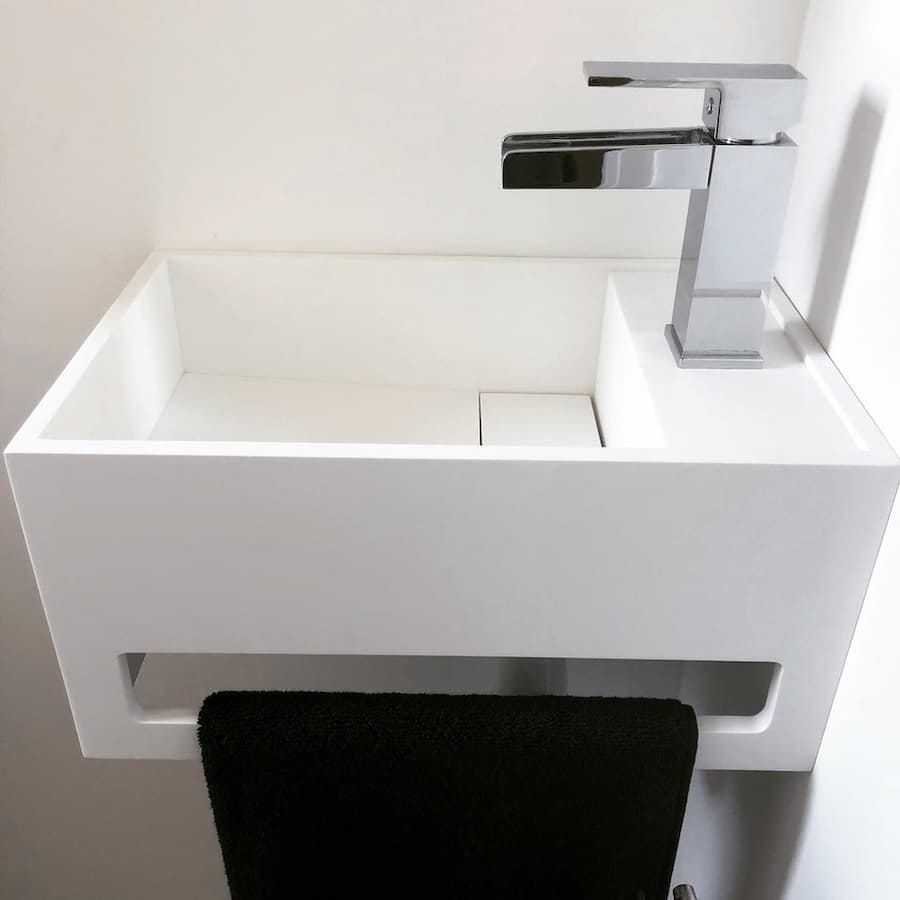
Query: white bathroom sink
[{"x": 401, "y": 456}]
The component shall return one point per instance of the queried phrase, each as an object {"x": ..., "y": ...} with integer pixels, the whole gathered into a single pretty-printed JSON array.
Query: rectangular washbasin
[{"x": 447, "y": 457}]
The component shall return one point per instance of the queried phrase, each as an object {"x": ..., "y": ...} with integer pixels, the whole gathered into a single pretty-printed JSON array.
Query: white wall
[
  {"x": 841, "y": 265},
  {"x": 362, "y": 126}
]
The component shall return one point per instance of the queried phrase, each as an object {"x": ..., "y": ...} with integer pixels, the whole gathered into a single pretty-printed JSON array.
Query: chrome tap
[{"x": 738, "y": 168}]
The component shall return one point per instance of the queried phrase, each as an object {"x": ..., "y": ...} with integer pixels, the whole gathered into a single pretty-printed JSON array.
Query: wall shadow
[
  {"x": 764, "y": 814},
  {"x": 844, "y": 209},
  {"x": 780, "y": 809}
]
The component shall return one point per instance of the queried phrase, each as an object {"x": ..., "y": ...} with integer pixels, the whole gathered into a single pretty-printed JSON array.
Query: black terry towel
[{"x": 422, "y": 796}]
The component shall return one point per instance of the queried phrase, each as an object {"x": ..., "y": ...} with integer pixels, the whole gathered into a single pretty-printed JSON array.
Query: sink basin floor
[{"x": 240, "y": 408}]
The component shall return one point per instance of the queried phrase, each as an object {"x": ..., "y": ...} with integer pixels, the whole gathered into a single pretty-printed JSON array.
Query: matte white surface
[
  {"x": 546, "y": 420},
  {"x": 685, "y": 552},
  {"x": 237, "y": 408}
]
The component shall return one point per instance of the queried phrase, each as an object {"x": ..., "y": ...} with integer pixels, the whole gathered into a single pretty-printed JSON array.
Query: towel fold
[{"x": 434, "y": 796}]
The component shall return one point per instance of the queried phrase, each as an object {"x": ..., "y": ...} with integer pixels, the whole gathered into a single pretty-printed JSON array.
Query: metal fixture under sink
[{"x": 738, "y": 168}]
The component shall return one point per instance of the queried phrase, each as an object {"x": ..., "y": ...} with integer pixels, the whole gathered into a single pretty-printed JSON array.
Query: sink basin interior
[
  {"x": 344, "y": 349},
  {"x": 439, "y": 351}
]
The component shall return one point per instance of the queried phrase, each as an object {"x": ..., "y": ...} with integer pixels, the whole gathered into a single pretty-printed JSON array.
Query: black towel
[{"x": 431, "y": 796}]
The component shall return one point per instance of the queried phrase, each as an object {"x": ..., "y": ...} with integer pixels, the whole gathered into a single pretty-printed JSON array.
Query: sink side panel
[{"x": 129, "y": 376}]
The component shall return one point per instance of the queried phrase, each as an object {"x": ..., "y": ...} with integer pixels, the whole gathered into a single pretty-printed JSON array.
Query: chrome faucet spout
[
  {"x": 608, "y": 159},
  {"x": 738, "y": 168}
]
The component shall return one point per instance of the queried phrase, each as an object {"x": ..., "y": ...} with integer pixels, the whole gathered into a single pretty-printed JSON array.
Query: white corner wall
[
  {"x": 292, "y": 124},
  {"x": 841, "y": 265}
]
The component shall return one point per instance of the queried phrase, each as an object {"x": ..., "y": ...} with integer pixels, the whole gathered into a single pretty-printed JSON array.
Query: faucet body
[{"x": 738, "y": 168}]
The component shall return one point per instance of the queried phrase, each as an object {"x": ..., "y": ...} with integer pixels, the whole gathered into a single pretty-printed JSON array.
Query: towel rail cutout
[{"x": 731, "y": 695}]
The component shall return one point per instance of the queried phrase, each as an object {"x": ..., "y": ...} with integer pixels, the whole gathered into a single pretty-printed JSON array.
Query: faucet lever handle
[{"x": 751, "y": 104}]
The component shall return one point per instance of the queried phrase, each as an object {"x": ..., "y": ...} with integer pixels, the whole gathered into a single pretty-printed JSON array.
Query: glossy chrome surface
[
  {"x": 738, "y": 168},
  {"x": 742, "y": 104},
  {"x": 626, "y": 159},
  {"x": 731, "y": 238}
]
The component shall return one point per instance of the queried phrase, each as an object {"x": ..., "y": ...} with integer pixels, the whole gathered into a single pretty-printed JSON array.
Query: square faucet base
[{"x": 710, "y": 360}]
